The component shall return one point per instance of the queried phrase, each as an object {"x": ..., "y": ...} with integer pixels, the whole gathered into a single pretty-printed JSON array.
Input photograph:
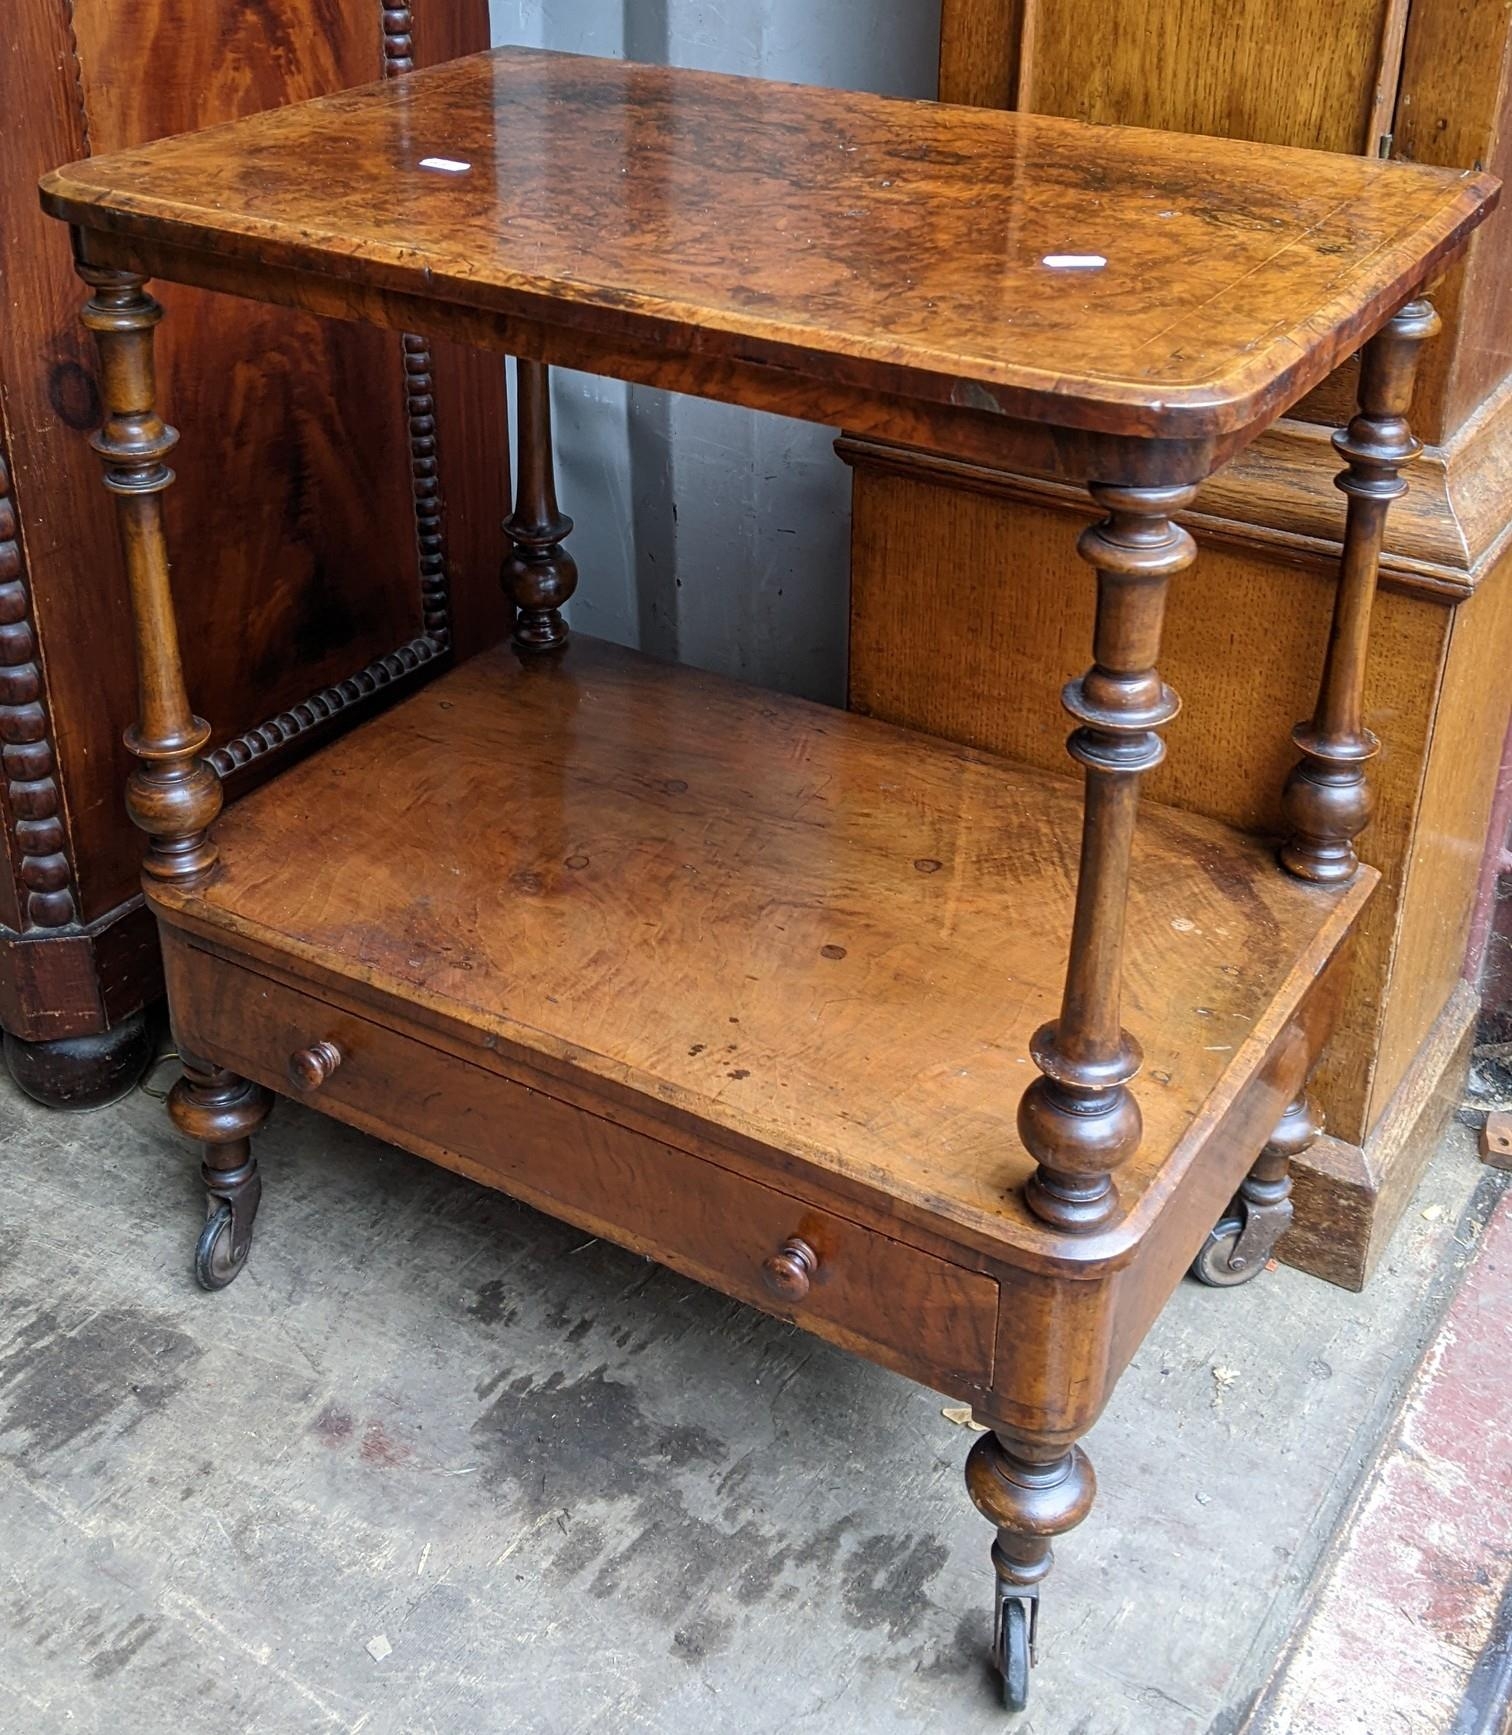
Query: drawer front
[{"x": 892, "y": 1302}]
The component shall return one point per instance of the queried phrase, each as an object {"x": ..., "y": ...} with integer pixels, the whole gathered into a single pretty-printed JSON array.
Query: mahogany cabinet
[
  {"x": 997, "y": 598},
  {"x": 343, "y": 490}
]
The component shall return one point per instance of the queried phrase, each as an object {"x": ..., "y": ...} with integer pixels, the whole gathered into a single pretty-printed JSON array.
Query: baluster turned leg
[
  {"x": 1328, "y": 797},
  {"x": 1080, "y": 1120},
  {"x": 539, "y": 574},
  {"x": 1032, "y": 1493},
  {"x": 172, "y": 793}
]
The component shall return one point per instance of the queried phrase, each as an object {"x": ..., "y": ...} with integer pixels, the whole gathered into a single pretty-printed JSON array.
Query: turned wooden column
[
  {"x": 1328, "y": 798},
  {"x": 1079, "y": 1120},
  {"x": 172, "y": 794},
  {"x": 1032, "y": 1494},
  {"x": 539, "y": 574}
]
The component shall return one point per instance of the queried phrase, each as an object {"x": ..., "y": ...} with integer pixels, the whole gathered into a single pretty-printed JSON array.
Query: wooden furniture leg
[
  {"x": 1244, "y": 1238},
  {"x": 539, "y": 574},
  {"x": 1032, "y": 1493},
  {"x": 1079, "y": 1120},
  {"x": 1327, "y": 799},
  {"x": 172, "y": 793}
]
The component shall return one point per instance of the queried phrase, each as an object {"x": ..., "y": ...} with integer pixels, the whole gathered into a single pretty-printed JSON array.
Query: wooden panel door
[{"x": 1279, "y": 71}]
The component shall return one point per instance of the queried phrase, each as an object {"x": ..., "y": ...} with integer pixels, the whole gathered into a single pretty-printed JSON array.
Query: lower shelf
[{"x": 805, "y": 938}]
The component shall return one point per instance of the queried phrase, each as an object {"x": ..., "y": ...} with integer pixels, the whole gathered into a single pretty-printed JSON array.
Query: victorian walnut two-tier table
[{"x": 829, "y": 1015}]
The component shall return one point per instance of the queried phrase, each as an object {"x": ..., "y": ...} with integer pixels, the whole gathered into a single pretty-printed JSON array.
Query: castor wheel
[
  {"x": 222, "y": 1248},
  {"x": 1240, "y": 1244},
  {"x": 1012, "y": 1652},
  {"x": 217, "y": 1259},
  {"x": 1222, "y": 1263},
  {"x": 222, "y": 1111}
]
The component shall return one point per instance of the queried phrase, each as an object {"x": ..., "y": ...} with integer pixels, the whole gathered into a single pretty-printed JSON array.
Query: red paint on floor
[{"x": 1414, "y": 1587}]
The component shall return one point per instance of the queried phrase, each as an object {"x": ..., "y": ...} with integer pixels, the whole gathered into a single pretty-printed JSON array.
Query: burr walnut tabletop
[
  {"x": 837, "y": 1018},
  {"x": 898, "y": 248}
]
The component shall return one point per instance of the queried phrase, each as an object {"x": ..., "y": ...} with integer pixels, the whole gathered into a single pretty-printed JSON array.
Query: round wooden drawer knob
[
  {"x": 310, "y": 1067},
  {"x": 790, "y": 1270}
]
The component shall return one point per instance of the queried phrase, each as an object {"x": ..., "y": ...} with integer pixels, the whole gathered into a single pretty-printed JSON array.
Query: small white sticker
[
  {"x": 447, "y": 165},
  {"x": 1074, "y": 261}
]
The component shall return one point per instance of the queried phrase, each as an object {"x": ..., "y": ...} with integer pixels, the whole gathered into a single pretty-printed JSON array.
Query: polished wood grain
[
  {"x": 539, "y": 574},
  {"x": 887, "y": 246},
  {"x": 910, "y": 1309},
  {"x": 1328, "y": 797},
  {"x": 1079, "y": 1119},
  {"x": 1006, "y": 609},
  {"x": 1187, "y": 68},
  {"x": 1278, "y": 498},
  {"x": 172, "y": 793},
  {"x": 991, "y": 576},
  {"x": 748, "y": 909},
  {"x": 321, "y": 401},
  {"x": 980, "y": 51},
  {"x": 749, "y": 985},
  {"x": 1454, "y": 106},
  {"x": 1426, "y": 81}
]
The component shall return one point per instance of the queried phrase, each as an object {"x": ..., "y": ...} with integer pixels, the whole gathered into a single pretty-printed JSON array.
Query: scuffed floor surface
[{"x": 438, "y": 1464}]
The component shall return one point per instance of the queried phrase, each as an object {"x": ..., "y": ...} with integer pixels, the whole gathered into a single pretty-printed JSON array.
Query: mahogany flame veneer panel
[
  {"x": 340, "y": 500},
  {"x": 748, "y": 909}
]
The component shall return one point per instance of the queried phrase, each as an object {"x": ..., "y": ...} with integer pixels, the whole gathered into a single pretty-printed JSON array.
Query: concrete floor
[{"x": 438, "y": 1464}]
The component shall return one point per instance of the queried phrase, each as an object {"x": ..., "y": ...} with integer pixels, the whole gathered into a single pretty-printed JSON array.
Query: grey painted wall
[{"x": 749, "y": 574}]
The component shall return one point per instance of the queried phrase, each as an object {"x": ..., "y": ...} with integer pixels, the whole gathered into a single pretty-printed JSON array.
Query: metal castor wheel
[
  {"x": 226, "y": 1238},
  {"x": 217, "y": 1259},
  {"x": 1013, "y": 1650},
  {"x": 1240, "y": 1244},
  {"x": 222, "y": 1112},
  {"x": 1222, "y": 1264}
]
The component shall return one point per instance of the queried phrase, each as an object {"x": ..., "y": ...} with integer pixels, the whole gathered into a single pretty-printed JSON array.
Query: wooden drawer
[{"x": 892, "y": 1302}]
